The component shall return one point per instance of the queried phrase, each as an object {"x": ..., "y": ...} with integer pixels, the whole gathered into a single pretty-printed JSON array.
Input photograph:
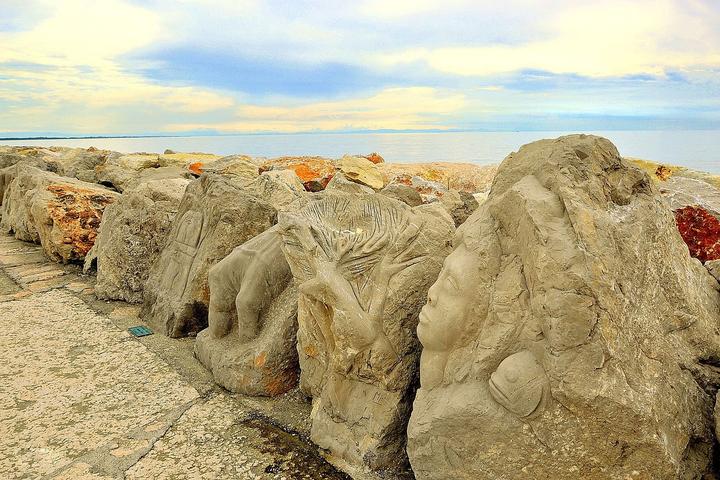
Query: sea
[{"x": 696, "y": 149}]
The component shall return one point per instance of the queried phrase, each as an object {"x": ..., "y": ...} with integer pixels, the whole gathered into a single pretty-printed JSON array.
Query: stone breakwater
[{"x": 556, "y": 316}]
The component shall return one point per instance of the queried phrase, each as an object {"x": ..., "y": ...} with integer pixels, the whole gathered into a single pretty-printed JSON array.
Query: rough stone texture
[
  {"x": 78, "y": 163},
  {"x": 684, "y": 192},
  {"x": 558, "y": 342},
  {"x": 60, "y": 213},
  {"x": 73, "y": 383},
  {"x": 713, "y": 267},
  {"x": 460, "y": 205},
  {"x": 700, "y": 230},
  {"x": 86, "y": 401},
  {"x": 252, "y": 322},
  {"x": 240, "y": 165},
  {"x": 466, "y": 177},
  {"x": 341, "y": 183},
  {"x": 126, "y": 171},
  {"x": 314, "y": 172},
  {"x": 362, "y": 171},
  {"x": 363, "y": 264},
  {"x": 216, "y": 214},
  {"x": 404, "y": 193},
  {"x": 375, "y": 157},
  {"x": 280, "y": 188},
  {"x": 132, "y": 233}
]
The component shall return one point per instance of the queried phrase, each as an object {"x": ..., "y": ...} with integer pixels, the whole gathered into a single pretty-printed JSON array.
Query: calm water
[{"x": 695, "y": 149}]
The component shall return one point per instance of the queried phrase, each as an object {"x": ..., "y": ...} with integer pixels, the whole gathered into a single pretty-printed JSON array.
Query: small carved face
[{"x": 450, "y": 301}]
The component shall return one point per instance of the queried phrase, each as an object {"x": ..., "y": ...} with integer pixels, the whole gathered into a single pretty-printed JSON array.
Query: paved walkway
[{"x": 80, "y": 398}]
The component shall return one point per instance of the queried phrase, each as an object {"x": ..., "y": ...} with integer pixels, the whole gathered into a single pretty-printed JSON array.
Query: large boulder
[
  {"x": 62, "y": 214},
  {"x": 363, "y": 264},
  {"x": 123, "y": 172},
  {"x": 362, "y": 171},
  {"x": 217, "y": 213},
  {"x": 249, "y": 344},
  {"x": 569, "y": 334},
  {"x": 314, "y": 172},
  {"x": 132, "y": 233}
]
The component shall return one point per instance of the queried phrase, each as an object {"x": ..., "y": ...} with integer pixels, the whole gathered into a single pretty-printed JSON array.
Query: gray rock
[
  {"x": 363, "y": 264},
  {"x": 249, "y": 344},
  {"x": 558, "y": 341},
  {"x": 123, "y": 172},
  {"x": 682, "y": 192},
  {"x": 281, "y": 188},
  {"x": 132, "y": 233},
  {"x": 404, "y": 193},
  {"x": 460, "y": 205},
  {"x": 216, "y": 215},
  {"x": 340, "y": 183},
  {"x": 713, "y": 266},
  {"x": 60, "y": 213}
]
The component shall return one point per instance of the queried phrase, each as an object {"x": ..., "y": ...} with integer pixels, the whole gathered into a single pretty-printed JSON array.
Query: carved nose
[{"x": 431, "y": 295}]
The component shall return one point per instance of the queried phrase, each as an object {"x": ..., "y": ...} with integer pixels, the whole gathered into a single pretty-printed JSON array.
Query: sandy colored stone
[
  {"x": 252, "y": 322},
  {"x": 60, "y": 213},
  {"x": 132, "y": 233},
  {"x": 217, "y": 213},
  {"x": 313, "y": 172},
  {"x": 72, "y": 383},
  {"x": 362, "y": 171},
  {"x": 466, "y": 177},
  {"x": 363, "y": 264},
  {"x": 558, "y": 342}
]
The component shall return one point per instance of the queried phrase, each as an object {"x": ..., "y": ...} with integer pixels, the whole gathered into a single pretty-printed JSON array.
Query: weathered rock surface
[
  {"x": 60, "y": 213},
  {"x": 558, "y": 342},
  {"x": 466, "y": 177},
  {"x": 363, "y": 264},
  {"x": 341, "y": 183},
  {"x": 314, "y": 172},
  {"x": 216, "y": 215},
  {"x": 132, "y": 233},
  {"x": 239, "y": 165},
  {"x": 126, "y": 171},
  {"x": 700, "y": 230},
  {"x": 713, "y": 267},
  {"x": 460, "y": 205},
  {"x": 250, "y": 342},
  {"x": 362, "y": 171},
  {"x": 404, "y": 193}
]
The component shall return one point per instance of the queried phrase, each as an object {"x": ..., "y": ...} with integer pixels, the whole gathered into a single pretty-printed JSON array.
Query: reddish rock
[
  {"x": 196, "y": 168},
  {"x": 375, "y": 158},
  {"x": 314, "y": 172},
  {"x": 701, "y": 232}
]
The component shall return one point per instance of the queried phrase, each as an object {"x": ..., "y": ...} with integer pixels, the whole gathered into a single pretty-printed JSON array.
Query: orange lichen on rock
[
  {"x": 196, "y": 168},
  {"x": 77, "y": 213},
  {"x": 701, "y": 232},
  {"x": 663, "y": 173},
  {"x": 375, "y": 157},
  {"x": 314, "y": 172}
]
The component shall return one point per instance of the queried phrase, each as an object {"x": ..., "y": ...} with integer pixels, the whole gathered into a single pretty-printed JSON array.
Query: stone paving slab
[{"x": 72, "y": 382}]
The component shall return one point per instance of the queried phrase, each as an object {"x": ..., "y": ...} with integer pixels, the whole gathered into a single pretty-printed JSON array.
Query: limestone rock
[
  {"x": 215, "y": 215},
  {"x": 238, "y": 165},
  {"x": 363, "y": 264},
  {"x": 684, "y": 192},
  {"x": 460, "y": 205},
  {"x": 126, "y": 171},
  {"x": 375, "y": 157},
  {"x": 467, "y": 177},
  {"x": 340, "y": 183},
  {"x": 362, "y": 171},
  {"x": 280, "y": 188},
  {"x": 60, "y": 213},
  {"x": 559, "y": 341},
  {"x": 713, "y": 266},
  {"x": 314, "y": 172},
  {"x": 132, "y": 233},
  {"x": 404, "y": 193},
  {"x": 249, "y": 344}
]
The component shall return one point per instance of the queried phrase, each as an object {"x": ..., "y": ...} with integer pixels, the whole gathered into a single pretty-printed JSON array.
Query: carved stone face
[{"x": 450, "y": 301}]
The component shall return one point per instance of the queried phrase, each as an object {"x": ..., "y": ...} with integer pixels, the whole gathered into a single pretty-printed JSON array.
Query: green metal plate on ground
[{"x": 140, "y": 331}]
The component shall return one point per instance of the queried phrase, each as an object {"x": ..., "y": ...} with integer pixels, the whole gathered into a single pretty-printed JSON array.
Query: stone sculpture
[
  {"x": 132, "y": 233},
  {"x": 558, "y": 341},
  {"x": 252, "y": 321},
  {"x": 216, "y": 215},
  {"x": 362, "y": 263}
]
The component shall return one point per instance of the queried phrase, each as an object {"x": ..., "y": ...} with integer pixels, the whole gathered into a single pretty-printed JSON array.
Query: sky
[{"x": 125, "y": 67}]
